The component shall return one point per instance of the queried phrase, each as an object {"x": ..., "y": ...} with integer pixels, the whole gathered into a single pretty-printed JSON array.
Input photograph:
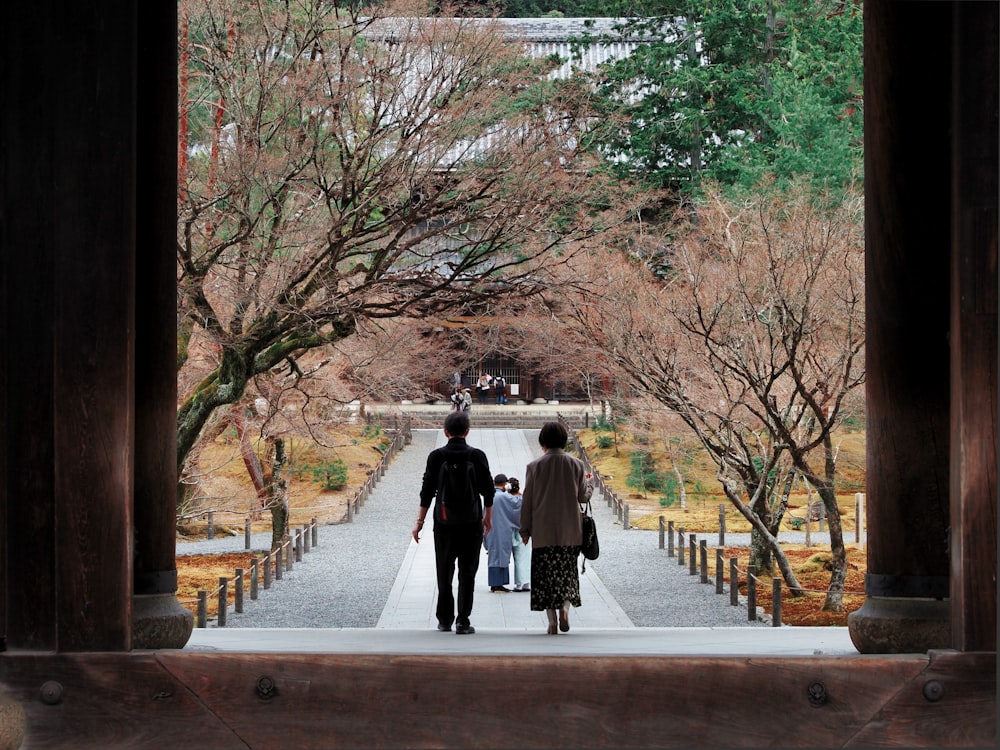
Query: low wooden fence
[
  {"x": 697, "y": 550},
  {"x": 263, "y": 570},
  {"x": 271, "y": 567},
  {"x": 401, "y": 438}
]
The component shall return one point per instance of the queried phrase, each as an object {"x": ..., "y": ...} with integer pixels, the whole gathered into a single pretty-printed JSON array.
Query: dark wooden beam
[
  {"x": 68, "y": 239},
  {"x": 389, "y": 701},
  {"x": 975, "y": 137},
  {"x": 908, "y": 171}
]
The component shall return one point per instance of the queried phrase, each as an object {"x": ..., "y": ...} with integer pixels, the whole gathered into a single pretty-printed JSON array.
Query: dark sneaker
[
  {"x": 499, "y": 589},
  {"x": 444, "y": 628},
  {"x": 465, "y": 629}
]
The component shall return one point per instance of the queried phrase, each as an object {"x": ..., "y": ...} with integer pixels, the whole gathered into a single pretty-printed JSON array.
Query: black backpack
[{"x": 457, "y": 499}]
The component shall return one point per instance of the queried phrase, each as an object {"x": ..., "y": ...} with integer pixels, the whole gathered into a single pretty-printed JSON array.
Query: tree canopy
[
  {"x": 734, "y": 91},
  {"x": 347, "y": 166},
  {"x": 755, "y": 341}
]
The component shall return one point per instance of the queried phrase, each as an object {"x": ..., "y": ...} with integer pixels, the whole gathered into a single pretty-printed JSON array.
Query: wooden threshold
[{"x": 162, "y": 699}]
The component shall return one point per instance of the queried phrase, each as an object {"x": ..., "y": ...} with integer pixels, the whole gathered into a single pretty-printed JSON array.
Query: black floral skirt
[{"x": 554, "y": 577}]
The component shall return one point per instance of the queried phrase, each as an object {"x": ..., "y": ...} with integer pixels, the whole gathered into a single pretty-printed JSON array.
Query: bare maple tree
[
  {"x": 753, "y": 334},
  {"x": 347, "y": 166}
]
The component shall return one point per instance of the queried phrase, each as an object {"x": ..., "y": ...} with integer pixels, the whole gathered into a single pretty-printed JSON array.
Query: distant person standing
[
  {"x": 499, "y": 542},
  {"x": 521, "y": 551},
  {"x": 555, "y": 485},
  {"x": 456, "y": 477},
  {"x": 501, "y": 385},
  {"x": 483, "y": 387}
]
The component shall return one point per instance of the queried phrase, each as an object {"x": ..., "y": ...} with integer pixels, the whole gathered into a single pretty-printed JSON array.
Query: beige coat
[{"x": 554, "y": 486}]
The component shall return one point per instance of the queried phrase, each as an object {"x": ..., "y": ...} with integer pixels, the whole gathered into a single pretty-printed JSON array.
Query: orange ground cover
[
  {"x": 810, "y": 565},
  {"x": 202, "y": 572}
]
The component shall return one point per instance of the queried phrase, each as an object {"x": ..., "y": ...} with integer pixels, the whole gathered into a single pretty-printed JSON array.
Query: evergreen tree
[{"x": 733, "y": 90}]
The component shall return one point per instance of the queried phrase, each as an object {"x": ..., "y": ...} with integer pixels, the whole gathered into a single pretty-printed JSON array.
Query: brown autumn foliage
[
  {"x": 349, "y": 166},
  {"x": 745, "y": 321},
  {"x": 700, "y": 515}
]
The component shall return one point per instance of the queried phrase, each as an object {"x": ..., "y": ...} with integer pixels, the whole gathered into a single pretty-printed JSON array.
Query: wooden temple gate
[{"x": 92, "y": 632}]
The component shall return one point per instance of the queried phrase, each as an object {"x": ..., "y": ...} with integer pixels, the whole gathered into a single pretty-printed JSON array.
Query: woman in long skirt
[{"x": 555, "y": 485}]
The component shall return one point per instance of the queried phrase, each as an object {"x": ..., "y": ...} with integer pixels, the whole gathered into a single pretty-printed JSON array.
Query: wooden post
[
  {"x": 254, "y": 579},
  {"x": 680, "y": 546},
  {"x": 315, "y": 533},
  {"x": 159, "y": 621},
  {"x": 202, "y": 609},
  {"x": 350, "y": 513},
  {"x": 246, "y": 534},
  {"x": 720, "y": 577},
  {"x": 298, "y": 545},
  {"x": 703, "y": 552},
  {"x": 751, "y": 593},
  {"x": 693, "y": 558},
  {"x": 973, "y": 330},
  {"x": 223, "y": 600},
  {"x": 625, "y": 524},
  {"x": 734, "y": 583},
  {"x": 267, "y": 571},
  {"x": 722, "y": 524},
  {"x": 305, "y": 538},
  {"x": 859, "y": 516},
  {"x": 776, "y": 602},
  {"x": 278, "y": 563},
  {"x": 661, "y": 532},
  {"x": 289, "y": 554},
  {"x": 670, "y": 539},
  {"x": 909, "y": 334},
  {"x": 238, "y": 583}
]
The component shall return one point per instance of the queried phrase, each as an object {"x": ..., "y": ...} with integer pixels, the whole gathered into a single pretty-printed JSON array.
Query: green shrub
[
  {"x": 605, "y": 441},
  {"x": 644, "y": 475},
  {"x": 671, "y": 490},
  {"x": 331, "y": 474},
  {"x": 601, "y": 424}
]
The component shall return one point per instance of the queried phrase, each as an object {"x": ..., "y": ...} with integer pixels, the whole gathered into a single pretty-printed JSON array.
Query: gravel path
[{"x": 345, "y": 581}]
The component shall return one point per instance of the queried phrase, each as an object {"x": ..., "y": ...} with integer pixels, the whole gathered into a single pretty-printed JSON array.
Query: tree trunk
[
  {"x": 277, "y": 492},
  {"x": 761, "y": 557},
  {"x": 762, "y": 539},
  {"x": 838, "y": 553},
  {"x": 252, "y": 461}
]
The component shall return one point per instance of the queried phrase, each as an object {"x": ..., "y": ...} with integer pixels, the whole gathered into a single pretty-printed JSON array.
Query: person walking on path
[
  {"x": 457, "y": 536},
  {"x": 521, "y": 550},
  {"x": 499, "y": 541},
  {"x": 555, "y": 486}
]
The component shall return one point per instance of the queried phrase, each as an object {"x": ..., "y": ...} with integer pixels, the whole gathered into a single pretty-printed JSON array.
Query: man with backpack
[{"x": 456, "y": 477}]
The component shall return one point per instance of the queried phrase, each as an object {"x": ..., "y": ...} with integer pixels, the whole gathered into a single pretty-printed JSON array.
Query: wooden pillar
[
  {"x": 975, "y": 135},
  {"x": 158, "y": 619},
  {"x": 67, "y": 239},
  {"x": 908, "y": 235}
]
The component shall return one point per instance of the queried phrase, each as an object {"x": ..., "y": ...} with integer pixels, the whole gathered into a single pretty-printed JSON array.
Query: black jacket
[{"x": 484, "y": 479}]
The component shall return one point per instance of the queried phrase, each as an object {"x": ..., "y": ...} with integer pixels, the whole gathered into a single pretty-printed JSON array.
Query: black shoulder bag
[{"x": 589, "y": 548}]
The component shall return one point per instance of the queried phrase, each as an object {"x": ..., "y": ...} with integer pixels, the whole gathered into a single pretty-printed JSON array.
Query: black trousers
[{"x": 459, "y": 546}]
